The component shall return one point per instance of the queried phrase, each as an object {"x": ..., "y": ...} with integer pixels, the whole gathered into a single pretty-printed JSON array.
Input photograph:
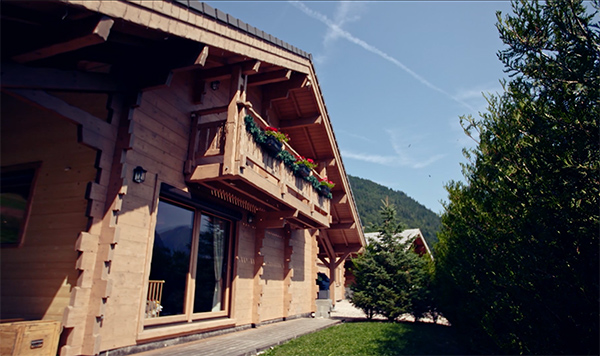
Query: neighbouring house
[
  {"x": 419, "y": 246},
  {"x": 140, "y": 201}
]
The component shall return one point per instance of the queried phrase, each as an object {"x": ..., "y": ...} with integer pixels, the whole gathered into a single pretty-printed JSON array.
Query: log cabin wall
[
  {"x": 37, "y": 276},
  {"x": 303, "y": 263},
  {"x": 245, "y": 273},
  {"x": 272, "y": 276},
  {"x": 160, "y": 131}
]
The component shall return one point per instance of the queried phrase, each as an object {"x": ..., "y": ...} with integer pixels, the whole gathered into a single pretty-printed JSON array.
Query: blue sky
[{"x": 396, "y": 76}]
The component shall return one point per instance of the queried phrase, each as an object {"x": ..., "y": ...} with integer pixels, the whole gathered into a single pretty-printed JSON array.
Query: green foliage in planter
[
  {"x": 288, "y": 159},
  {"x": 256, "y": 132}
]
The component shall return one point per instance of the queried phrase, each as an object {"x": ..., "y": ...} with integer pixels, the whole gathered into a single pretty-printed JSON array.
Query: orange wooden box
[{"x": 29, "y": 338}]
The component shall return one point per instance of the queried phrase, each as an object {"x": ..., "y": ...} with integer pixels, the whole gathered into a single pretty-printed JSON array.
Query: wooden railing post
[{"x": 231, "y": 126}]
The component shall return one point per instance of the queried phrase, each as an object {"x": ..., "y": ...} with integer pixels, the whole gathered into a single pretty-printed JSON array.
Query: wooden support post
[
  {"x": 231, "y": 126},
  {"x": 332, "y": 280}
]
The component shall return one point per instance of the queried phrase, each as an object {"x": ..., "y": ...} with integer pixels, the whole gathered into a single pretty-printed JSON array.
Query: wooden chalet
[{"x": 137, "y": 206}]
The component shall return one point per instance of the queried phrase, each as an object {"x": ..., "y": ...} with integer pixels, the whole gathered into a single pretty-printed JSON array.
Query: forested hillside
[{"x": 369, "y": 195}]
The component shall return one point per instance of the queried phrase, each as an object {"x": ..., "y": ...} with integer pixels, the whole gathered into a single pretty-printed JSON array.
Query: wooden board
[{"x": 30, "y": 338}]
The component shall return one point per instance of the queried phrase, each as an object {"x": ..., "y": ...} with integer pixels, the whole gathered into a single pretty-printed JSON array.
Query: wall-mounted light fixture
[
  {"x": 215, "y": 85},
  {"x": 250, "y": 218},
  {"x": 139, "y": 174}
]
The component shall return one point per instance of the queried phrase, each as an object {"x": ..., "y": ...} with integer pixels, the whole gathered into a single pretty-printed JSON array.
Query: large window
[{"x": 189, "y": 272}]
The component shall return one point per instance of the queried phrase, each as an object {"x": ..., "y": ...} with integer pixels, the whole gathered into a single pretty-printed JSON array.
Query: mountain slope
[{"x": 369, "y": 196}]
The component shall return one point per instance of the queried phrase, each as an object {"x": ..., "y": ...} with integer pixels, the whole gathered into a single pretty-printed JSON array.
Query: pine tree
[{"x": 388, "y": 275}]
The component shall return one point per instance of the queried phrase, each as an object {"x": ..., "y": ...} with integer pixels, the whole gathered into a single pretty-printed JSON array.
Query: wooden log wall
[
  {"x": 159, "y": 127},
  {"x": 272, "y": 276},
  {"x": 303, "y": 277},
  {"x": 244, "y": 278},
  {"x": 37, "y": 278}
]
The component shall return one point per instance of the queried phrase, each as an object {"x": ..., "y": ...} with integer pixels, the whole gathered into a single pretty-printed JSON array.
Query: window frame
[
  {"x": 188, "y": 314},
  {"x": 35, "y": 166}
]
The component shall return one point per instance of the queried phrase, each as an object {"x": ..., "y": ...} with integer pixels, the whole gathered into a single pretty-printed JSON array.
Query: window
[
  {"x": 189, "y": 271},
  {"x": 16, "y": 190}
]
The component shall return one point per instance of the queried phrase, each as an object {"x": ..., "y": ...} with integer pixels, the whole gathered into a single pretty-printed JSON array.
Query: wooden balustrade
[
  {"x": 254, "y": 165},
  {"x": 154, "y": 299}
]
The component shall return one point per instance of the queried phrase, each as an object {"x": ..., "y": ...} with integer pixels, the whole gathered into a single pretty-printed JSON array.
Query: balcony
[{"x": 224, "y": 157}]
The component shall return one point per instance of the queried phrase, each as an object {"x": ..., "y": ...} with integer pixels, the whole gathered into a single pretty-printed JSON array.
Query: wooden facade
[{"x": 91, "y": 91}]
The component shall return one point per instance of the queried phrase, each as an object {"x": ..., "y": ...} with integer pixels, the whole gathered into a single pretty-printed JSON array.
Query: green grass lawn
[{"x": 375, "y": 338}]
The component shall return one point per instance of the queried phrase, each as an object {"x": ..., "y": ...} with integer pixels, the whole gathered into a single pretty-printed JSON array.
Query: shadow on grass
[{"x": 407, "y": 338}]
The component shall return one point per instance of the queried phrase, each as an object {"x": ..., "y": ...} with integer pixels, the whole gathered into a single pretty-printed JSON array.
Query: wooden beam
[
  {"x": 343, "y": 226},
  {"x": 342, "y": 258},
  {"x": 275, "y": 219},
  {"x": 224, "y": 72},
  {"x": 325, "y": 262},
  {"x": 201, "y": 60},
  {"x": 270, "y": 77},
  {"x": 98, "y": 35},
  {"x": 301, "y": 122},
  {"x": 340, "y": 198},
  {"x": 280, "y": 90},
  {"x": 192, "y": 60},
  {"x": 21, "y": 77},
  {"x": 347, "y": 249},
  {"x": 215, "y": 110},
  {"x": 327, "y": 244},
  {"x": 94, "y": 132}
]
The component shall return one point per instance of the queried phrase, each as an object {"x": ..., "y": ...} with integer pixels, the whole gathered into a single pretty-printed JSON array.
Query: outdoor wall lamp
[
  {"x": 139, "y": 174},
  {"x": 215, "y": 85},
  {"x": 250, "y": 218}
]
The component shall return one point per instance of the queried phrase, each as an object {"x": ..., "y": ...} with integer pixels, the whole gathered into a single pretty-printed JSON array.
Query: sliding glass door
[{"x": 190, "y": 261}]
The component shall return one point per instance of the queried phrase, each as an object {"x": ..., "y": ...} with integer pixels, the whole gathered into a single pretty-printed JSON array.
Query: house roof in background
[{"x": 405, "y": 236}]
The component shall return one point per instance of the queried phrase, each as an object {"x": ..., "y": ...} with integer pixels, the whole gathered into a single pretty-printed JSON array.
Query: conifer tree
[
  {"x": 388, "y": 275},
  {"x": 517, "y": 261}
]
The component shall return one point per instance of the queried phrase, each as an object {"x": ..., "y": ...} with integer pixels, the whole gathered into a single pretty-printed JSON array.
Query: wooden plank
[
  {"x": 98, "y": 35},
  {"x": 30, "y": 337}
]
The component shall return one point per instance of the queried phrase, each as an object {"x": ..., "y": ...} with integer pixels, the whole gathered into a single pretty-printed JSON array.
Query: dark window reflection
[{"x": 171, "y": 254}]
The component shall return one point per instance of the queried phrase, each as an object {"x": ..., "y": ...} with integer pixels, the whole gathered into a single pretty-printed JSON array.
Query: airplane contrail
[{"x": 348, "y": 36}]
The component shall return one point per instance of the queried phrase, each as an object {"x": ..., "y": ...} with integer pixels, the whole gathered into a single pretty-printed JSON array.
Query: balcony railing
[{"x": 224, "y": 155}]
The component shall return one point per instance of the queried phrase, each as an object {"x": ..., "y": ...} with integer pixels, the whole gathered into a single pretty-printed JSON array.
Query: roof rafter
[{"x": 99, "y": 34}]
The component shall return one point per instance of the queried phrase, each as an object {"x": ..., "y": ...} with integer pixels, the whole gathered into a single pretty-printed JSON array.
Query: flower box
[
  {"x": 272, "y": 144},
  {"x": 324, "y": 190},
  {"x": 303, "y": 170}
]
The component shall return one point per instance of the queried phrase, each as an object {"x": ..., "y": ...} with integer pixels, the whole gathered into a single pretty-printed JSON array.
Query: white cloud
[
  {"x": 355, "y": 135},
  {"x": 382, "y": 160},
  {"x": 335, "y": 31},
  {"x": 405, "y": 155}
]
